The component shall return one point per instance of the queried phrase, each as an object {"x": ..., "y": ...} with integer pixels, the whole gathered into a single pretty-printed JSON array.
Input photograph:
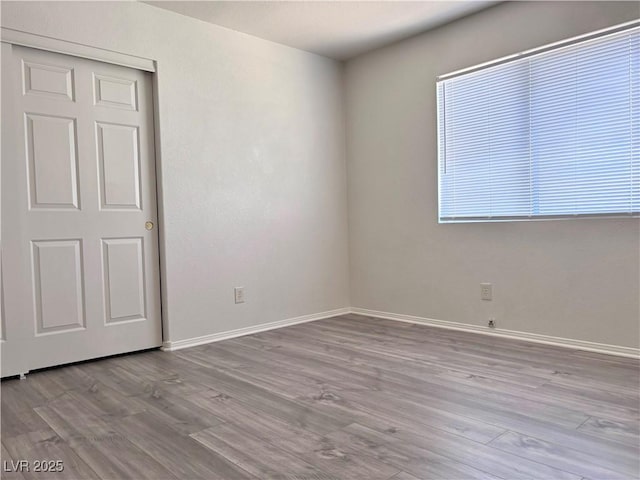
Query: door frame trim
[{"x": 43, "y": 42}]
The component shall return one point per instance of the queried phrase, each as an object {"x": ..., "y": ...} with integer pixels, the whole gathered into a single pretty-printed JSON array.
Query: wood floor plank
[
  {"x": 487, "y": 364},
  {"x": 47, "y": 445},
  {"x": 561, "y": 457},
  {"x": 118, "y": 378},
  {"x": 399, "y": 359},
  {"x": 344, "y": 462},
  {"x": 108, "y": 453},
  {"x": 20, "y": 395},
  {"x": 209, "y": 356},
  {"x": 130, "y": 383},
  {"x": 625, "y": 432},
  {"x": 260, "y": 458},
  {"x": 177, "y": 411},
  {"x": 457, "y": 448},
  {"x": 417, "y": 461},
  {"x": 16, "y": 421},
  {"x": 149, "y": 365},
  {"x": 101, "y": 400},
  {"x": 398, "y": 407},
  {"x": 611, "y": 402},
  {"x": 288, "y": 435},
  {"x": 542, "y": 360},
  {"x": 613, "y": 451},
  {"x": 274, "y": 404},
  {"x": 287, "y": 371},
  {"x": 10, "y": 467},
  {"x": 183, "y": 456},
  {"x": 311, "y": 363},
  {"x": 482, "y": 457}
]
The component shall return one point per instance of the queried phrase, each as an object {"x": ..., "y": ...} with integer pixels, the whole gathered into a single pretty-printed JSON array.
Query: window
[{"x": 550, "y": 133}]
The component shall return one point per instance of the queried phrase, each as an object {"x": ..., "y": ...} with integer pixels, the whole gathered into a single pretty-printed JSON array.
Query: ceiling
[{"x": 335, "y": 29}]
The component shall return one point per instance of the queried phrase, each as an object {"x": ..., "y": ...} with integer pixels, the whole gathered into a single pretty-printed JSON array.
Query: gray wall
[
  {"x": 253, "y": 165},
  {"x": 576, "y": 279}
]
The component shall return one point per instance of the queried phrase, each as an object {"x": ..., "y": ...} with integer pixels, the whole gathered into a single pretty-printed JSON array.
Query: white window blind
[{"x": 553, "y": 134}]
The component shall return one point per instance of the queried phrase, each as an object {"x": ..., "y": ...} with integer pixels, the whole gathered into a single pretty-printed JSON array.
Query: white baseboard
[
  {"x": 526, "y": 336},
  {"x": 530, "y": 337},
  {"x": 216, "y": 337}
]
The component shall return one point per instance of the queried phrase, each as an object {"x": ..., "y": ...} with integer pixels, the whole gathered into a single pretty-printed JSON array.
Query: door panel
[
  {"x": 124, "y": 279},
  {"x": 48, "y": 80},
  {"x": 78, "y": 185},
  {"x": 58, "y": 286},
  {"x": 115, "y": 92},
  {"x": 119, "y": 171},
  {"x": 52, "y": 161}
]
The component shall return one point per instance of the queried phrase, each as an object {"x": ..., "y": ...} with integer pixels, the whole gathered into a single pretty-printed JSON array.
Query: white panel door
[{"x": 79, "y": 256}]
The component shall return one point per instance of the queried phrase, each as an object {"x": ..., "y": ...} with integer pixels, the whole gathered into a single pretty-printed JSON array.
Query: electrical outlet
[
  {"x": 491, "y": 323},
  {"x": 239, "y": 294},
  {"x": 486, "y": 291}
]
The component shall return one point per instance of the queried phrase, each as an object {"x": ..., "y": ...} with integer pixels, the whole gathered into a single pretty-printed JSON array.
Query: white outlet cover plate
[
  {"x": 238, "y": 293},
  {"x": 486, "y": 291}
]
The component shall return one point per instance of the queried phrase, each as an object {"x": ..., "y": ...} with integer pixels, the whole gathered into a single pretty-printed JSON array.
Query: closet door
[{"x": 79, "y": 243}]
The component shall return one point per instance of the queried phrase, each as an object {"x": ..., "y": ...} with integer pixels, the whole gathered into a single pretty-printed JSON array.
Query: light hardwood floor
[{"x": 345, "y": 398}]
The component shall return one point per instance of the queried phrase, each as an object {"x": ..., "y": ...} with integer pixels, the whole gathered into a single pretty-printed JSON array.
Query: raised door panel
[
  {"x": 124, "y": 282},
  {"x": 52, "y": 162},
  {"x": 119, "y": 166},
  {"x": 48, "y": 80},
  {"x": 115, "y": 92},
  {"x": 58, "y": 286}
]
